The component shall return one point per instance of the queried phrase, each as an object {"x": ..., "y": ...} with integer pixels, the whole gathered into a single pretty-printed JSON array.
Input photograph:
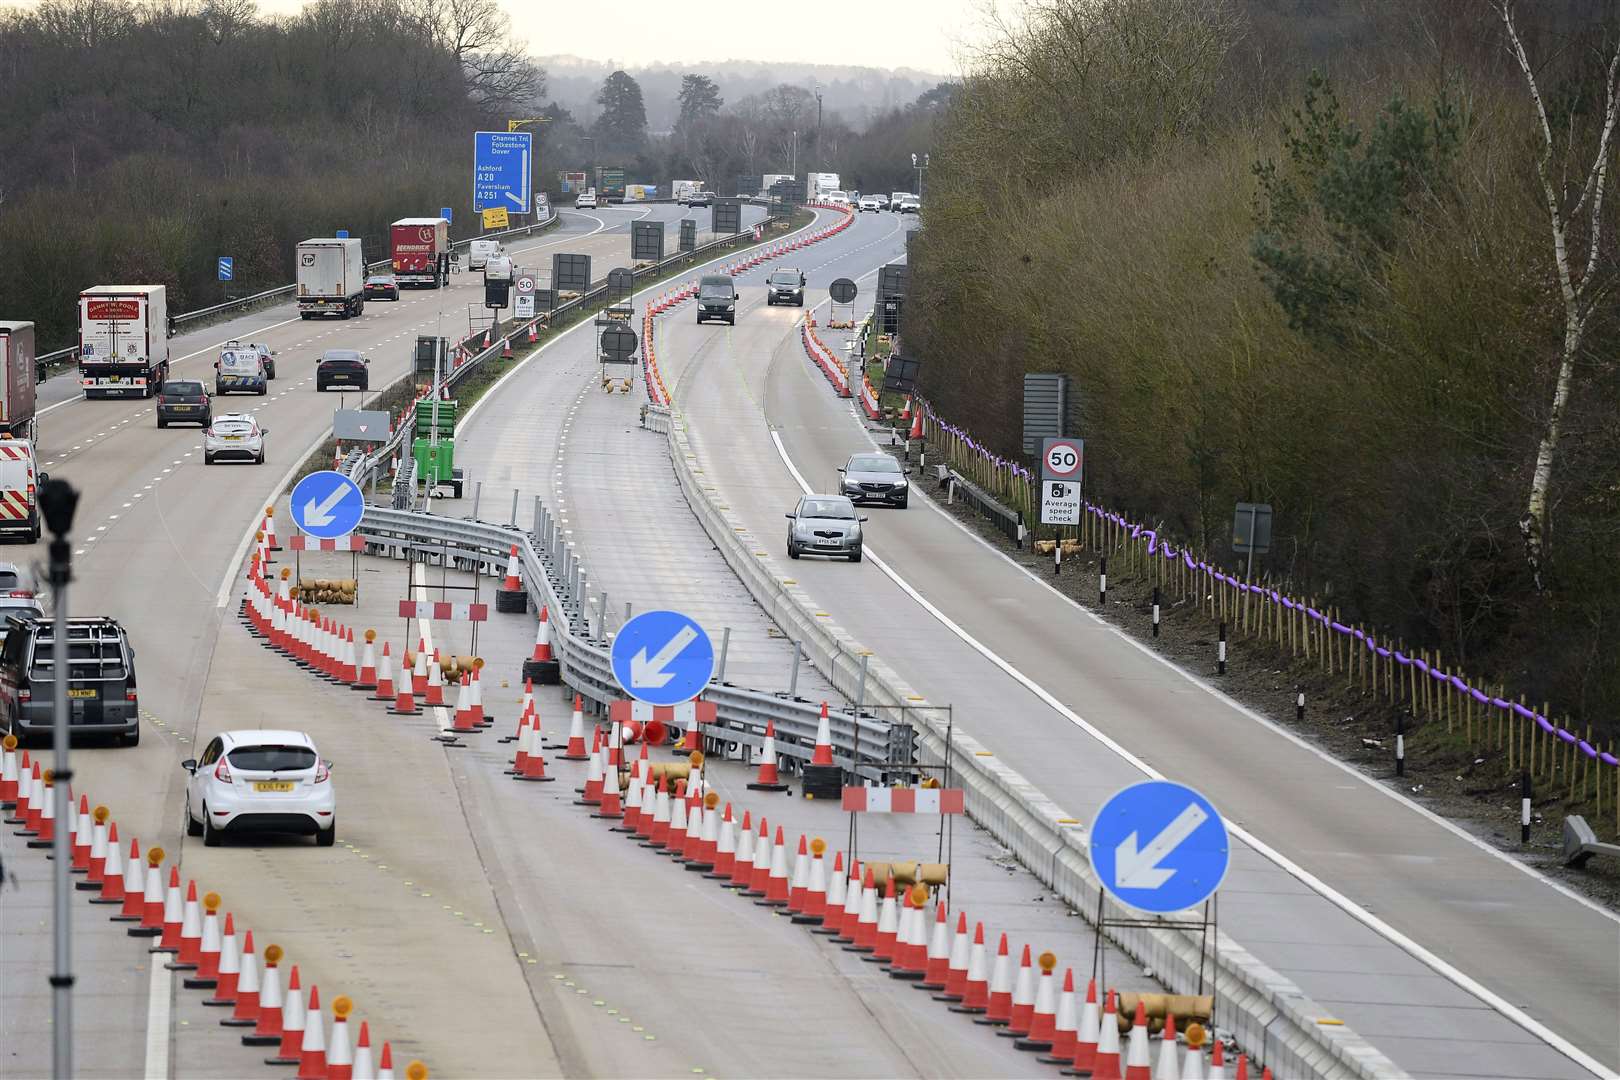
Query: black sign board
[
  {"x": 545, "y": 299},
  {"x": 621, "y": 282},
  {"x": 892, "y": 280},
  {"x": 889, "y": 310},
  {"x": 793, "y": 192},
  {"x": 497, "y": 294},
  {"x": 427, "y": 348},
  {"x": 618, "y": 344},
  {"x": 728, "y": 215},
  {"x": 571, "y": 273},
  {"x": 900, "y": 374},
  {"x": 647, "y": 241},
  {"x": 843, "y": 290},
  {"x": 688, "y": 235},
  {"x": 1046, "y": 408}
]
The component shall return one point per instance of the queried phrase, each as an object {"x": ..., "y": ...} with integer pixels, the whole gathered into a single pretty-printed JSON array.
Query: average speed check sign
[{"x": 525, "y": 297}]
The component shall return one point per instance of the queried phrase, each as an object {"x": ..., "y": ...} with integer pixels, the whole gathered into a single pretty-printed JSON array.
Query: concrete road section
[{"x": 1041, "y": 682}]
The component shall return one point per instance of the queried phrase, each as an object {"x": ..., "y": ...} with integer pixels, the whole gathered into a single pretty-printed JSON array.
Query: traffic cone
[
  {"x": 350, "y": 672},
  {"x": 938, "y": 965},
  {"x": 339, "y": 1054},
  {"x": 478, "y": 715},
  {"x": 576, "y": 734},
  {"x": 999, "y": 1010},
  {"x": 385, "y": 676},
  {"x": 173, "y": 914},
  {"x": 905, "y": 412},
  {"x": 1138, "y": 1061},
  {"x": 776, "y": 884},
  {"x": 514, "y": 580},
  {"x": 866, "y": 917},
  {"x": 419, "y": 671},
  {"x": 916, "y": 425},
  {"x": 96, "y": 870},
  {"x": 82, "y": 831},
  {"x": 114, "y": 873},
  {"x": 312, "y": 1050},
  {"x": 742, "y": 866},
  {"x": 632, "y": 801},
  {"x": 404, "y": 699},
  {"x": 888, "y": 926},
  {"x": 691, "y": 739},
  {"x": 272, "y": 1005},
  {"x": 823, "y": 751},
  {"x": 610, "y": 804},
  {"x": 1167, "y": 1068},
  {"x": 759, "y": 875},
  {"x": 1192, "y": 1063},
  {"x": 8, "y": 772},
  {"x": 270, "y": 529},
  {"x": 911, "y": 948},
  {"x": 151, "y": 900},
  {"x": 292, "y": 1024},
  {"x": 533, "y": 768},
  {"x": 1023, "y": 999},
  {"x": 1242, "y": 1072},
  {"x": 366, "y": 678},
  {"x": 975, "y": 984},
  {"x": 30, "y": 793},
  {"x": 364, "y": 1068},
  {"x": 676, "y": 845},
  {"x": 592, "y": 791},
  {"x": 463, "y": 713},
  {"x": 657, "y": 835},
  {"x": 615, "y": 745},
  {"x": 767, "y": 780},
  {"x": 725, "y": 848},
  {"x": 832, "y": 915},
  {"x": 957, "y": 963},
  {"x": 525, "y": 710},
  {"x": 1087, "y": 1033},
  {"x": 1217, "y": 1060},
  {"x": 1106, "y": 1064},
  {"x": 228, "y": 967},
  {"x": 190, "y": 933},
  {"x": 45, "y": 827},
  {"x": 435, "y": 682},
  {"x": 1043, "y": 1016},
  {"x": 385, "y": 1063},
  {"x": 814, "y": 905},
  {"x": 709, "y": 840},
  {"x": 799, "y": 882},
  {"x": 208, "y": 948},
  {"x": 534, "y": 335},
  {"x": 246, "y": 992},
  {"x": 542, "y": 638},
  {"x": 1065, "y": 1026}
]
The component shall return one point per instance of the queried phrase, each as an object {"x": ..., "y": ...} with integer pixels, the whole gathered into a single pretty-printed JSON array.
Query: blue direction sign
[
  {"x": 444, "y": 212},
  {"x": 662, "y": 658},
  {"x": 327, "y": 505},
  {"x": 1159, "y": 847},
  {"x": 227, "y": 268},
  {"x": 342, "y": 234},
  {"x": 502, "y": 166}
]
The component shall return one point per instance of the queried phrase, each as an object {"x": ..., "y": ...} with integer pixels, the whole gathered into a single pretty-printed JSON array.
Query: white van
[
  {"x": 479, "y": 251},
  {"x": 20, "y": 481}
]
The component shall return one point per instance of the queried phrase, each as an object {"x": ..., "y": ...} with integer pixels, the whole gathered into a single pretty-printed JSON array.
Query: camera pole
[{"x": 57, "y": 501}]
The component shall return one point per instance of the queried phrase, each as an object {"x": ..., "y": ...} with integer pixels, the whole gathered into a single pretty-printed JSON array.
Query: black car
[
  {"x": 183, "y": 401},
  {"x": 785, "y": 287},
  {"x": 700, "y": 198},
  {"x": 875, "y": 478},
  {"x": 717, "y": 299},
  {"x": 344, "y": 369},
  {"x": 382, "y": 286},
  {"x": 101, "y": 679}
]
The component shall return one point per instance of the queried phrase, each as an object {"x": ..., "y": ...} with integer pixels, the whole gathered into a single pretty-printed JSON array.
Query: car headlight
[{"x": 900, "y": 485}]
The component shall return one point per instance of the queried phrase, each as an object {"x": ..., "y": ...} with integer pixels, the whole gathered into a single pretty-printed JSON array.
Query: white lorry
[
  {"x": 123, "y": 340},
  {"x": 480, "y": 252},
  {"x": 822, "y": 184},
  {"x": 685, "y": 189},
  {"x": 331, "y": 277}
]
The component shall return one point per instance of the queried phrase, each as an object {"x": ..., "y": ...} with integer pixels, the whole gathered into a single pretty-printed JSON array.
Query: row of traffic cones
[
  {"x": 204, "y": 946},
  {"x": 911, "y": 419},
  {"x": 888, "y": 924},
  {"x": 823, "y": 359}
]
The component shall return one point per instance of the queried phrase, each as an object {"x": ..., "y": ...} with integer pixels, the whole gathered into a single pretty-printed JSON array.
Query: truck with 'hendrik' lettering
[
  {"x": 331, "y": 277},
  {"x": 420, "y": 250},
  {"x": 123, "y": 340},
  {"x": 17, "y": 353}
]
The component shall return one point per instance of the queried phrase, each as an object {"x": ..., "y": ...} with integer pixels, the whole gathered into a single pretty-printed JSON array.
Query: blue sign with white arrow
[
  {"x": 327, "y": 505},
  {"x": 662, "y": 658},
  {"x": 227, "y": 268},
  {"x": 1160, "y": 847},
  {"x": 502, "y": 165},
  {"x": 446, "y": 212}
]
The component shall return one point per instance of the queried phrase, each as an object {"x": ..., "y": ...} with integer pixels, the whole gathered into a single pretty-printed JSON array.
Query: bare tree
[
  {"x": 478, "y": 35},
  {"x": 1581, "y": 291}
]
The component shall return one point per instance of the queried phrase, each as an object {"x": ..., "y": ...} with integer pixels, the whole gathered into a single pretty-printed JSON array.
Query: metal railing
[
  {"x": 71, "y": 353},
  {"x": 1006, "y": 520}
]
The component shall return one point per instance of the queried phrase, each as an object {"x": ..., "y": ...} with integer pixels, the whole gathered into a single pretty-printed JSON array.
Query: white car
[
  {"x": 874, "y": 203},
  {"x": 585, "y": 200},
  {"x": 909, "y": 205},
  {"x": 897, "y": 198},
  {"x": 260, "y": 781},
  {"x": 837, "y": 198},
  {"x": 234, "y": 437}
]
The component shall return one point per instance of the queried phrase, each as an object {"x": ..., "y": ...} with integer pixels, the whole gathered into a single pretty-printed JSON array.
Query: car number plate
[
  {"x": 272, "y": 785},
  {"x": 79, "y": 692},
  {"x": 115, "y": 378}
]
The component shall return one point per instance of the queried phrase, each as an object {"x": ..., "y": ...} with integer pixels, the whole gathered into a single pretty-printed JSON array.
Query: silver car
[
  {"x": 875, "y": 478},
  {"x": 824, "y": 525}
]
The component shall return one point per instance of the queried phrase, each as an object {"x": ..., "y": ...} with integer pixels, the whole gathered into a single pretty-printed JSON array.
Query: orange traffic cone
[
  {"x": 1138, "y": 1061},
  {"x": 1168, "y": 1066},
  {"x": 1023, "y": 999},
  {"x": 742, "y": 863},
  {"x": 759, "y": 874},
  {"x": 611, "y": 805},
  {"x": 366, "y": 678},
  {"x": 975, "y": 984},
  {"x": 768, "y": 780},
  {"x": 534, "y": 762},
  {"x": 542, "y": 638},
  {"x": 312, "y": 1050},
  {"x": 419, "y": 670},
  {"x": 513, "y": 582},
  {"x": 339, "y": 1054},
  {"x": 957, "y": 965},
  {"x": 1087, "y": 1033},
  {"x": 173, "y": 914},
  {"x": 364, "y": 1068},
  {"x": 725, "y": 848},
  {"x": 96, "y": 873},
  {"x": 435, "y": 682},
  {"x": 208, "y": 949},
  {"x": 916, "y": 425},
  {"x": 190, "y": 933},
  {"x": 271, "y": 1007},
  {"x": 112, "y": 871},
  {"x": 938, "y": 966},
  {"x": 999, "y": 1009},
  {"x": 799, "y": 881},
  {"x": 152, "y": 899},
  {"x": 82, "y": 830},
  {"x": 823, "y": 752},
  {"x": 228, "y": 967},
  {"x": 845, "y": 922},
  {"x": 1043, "y": 1015},
  {"x": 245, "y": 990},
  {"x": 576, "y": 734},
  {"x": 1105, "y": 1066},
  {"x": 1065, "y": 1026},
  {"x": 291, "y": 1044},
  {"x": 866, "y": 917},
  {"x": 385, "y": 676},
  {"x": 888, "y": 926}
]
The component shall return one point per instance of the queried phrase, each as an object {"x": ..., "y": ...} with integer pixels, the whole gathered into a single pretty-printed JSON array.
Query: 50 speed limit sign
[{"x": 1063, "y": 459}]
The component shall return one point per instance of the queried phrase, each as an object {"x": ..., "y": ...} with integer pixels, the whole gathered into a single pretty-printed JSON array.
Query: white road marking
[
  {"x": 158, "y": 990},
  {"x": 1453, "y": 974}
]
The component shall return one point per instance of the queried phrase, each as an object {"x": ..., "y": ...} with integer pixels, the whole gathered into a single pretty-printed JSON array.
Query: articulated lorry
[
  {"x": 17, "y": 405},
  {"x": 420, "y": 250},
  {"x": 123, "y": 340},
  {"x": 331, "y": 277}
]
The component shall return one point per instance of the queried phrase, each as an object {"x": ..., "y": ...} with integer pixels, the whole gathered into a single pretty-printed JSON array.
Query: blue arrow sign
[
  {"x": 662, "y": 658},
  {"x": 444, "y": 212},
  {"x": 342, "y": 234},
  {"x": 1159, "y": 847},
  {"x": 502, "y": 165},
  {"x": 327, "y": 505},
  {"x": 227, "y": 268}
]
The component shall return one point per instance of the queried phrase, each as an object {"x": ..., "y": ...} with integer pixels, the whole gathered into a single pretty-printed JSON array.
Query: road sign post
[
  {"x": 662, "y": 658},
  {"x": 327, "y": 504},
  {"x": 502, "y": 170},
  {"x": 525, "y": 295},
  {"x": 227, "y": 268},
  {"x": 1063, "y": 468},
  {"x": 1159, "y": 847}
]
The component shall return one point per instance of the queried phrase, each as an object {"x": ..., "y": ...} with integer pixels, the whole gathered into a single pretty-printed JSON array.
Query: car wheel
[
  {"x": 327, "y": 837},
  {"x": 208, "y": 459},
  {"x": 263, "y": 390},
  {"x": 855, "y": 556},
  {"x": 260, "y": 461},
  {"x": 902, "y": 504},
  {"x": 211, "y": 836},
  {"x": 303, "y": 314},
  {"x": 162, "y": 423},
  {"x": 732, "y": 321},
  {"x": 134, "y": 737},
  {"x": 793, "y": 552},
  {"x": 320, "y": 387},
  {"x": 365, "y": 387},
  {"x": 193, "y": 826}
]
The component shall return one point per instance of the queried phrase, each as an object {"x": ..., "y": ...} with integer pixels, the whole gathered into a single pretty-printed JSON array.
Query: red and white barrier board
[
  {"x": 442, "y": 611},
  {"x": 352, "y": 542},
  {"x": 876, "y": 800},
  {"x": 673, "y": 716}
]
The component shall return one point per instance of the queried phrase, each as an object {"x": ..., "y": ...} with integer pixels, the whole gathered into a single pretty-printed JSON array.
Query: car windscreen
[
  {"x": 716, "y": 292},
  {"x": 874, "y": 463},
  {"x": 380, "y": 279},
  {"x": 790, "y": 280},
  {"x": 827, "y": 508},
  {"x": 9, "y": 580},
  {"x": 176, "y": 388},
  {"x": 272, "y": 758},
  {"x": 340, "y": 357}
]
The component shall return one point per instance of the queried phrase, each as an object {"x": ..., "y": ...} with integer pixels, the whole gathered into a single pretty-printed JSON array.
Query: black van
[
  {"x": 101, "y": 679},
  {"x": 717, "y": 298}
]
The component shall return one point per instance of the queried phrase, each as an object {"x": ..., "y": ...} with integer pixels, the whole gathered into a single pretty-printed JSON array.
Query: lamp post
[
  {"x": 793, "y": 167},
  {"x": 57, "y": 501},
  {"x": 821, "y": 162},
  {"x": 921, "y": 167}
]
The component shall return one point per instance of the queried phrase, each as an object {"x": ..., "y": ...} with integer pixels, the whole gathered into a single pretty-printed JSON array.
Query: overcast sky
[{"x": 923, "y": 34}]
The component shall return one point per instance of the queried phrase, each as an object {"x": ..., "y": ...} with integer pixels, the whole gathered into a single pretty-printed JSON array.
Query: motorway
[{"x": 1351, "y": 893}]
